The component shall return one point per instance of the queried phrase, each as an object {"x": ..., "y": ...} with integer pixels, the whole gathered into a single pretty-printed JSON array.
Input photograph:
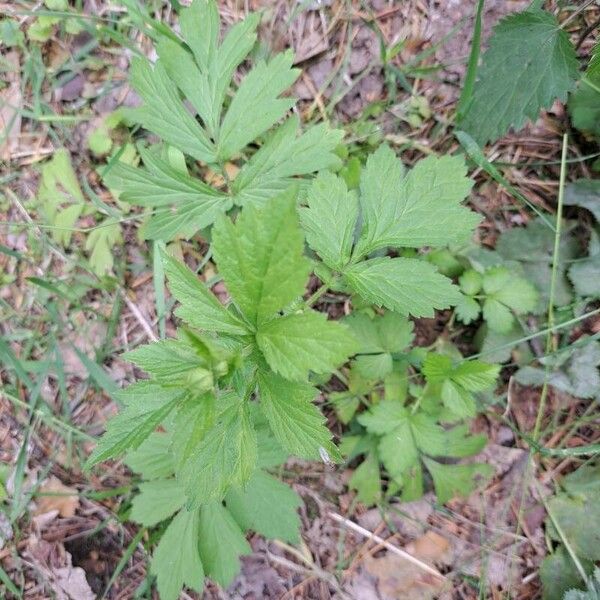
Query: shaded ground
[{"x": 70, "y": 542}]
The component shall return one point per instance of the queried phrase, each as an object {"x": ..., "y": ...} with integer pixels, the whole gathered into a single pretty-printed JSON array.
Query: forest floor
[{"x": 64, "y": 532}]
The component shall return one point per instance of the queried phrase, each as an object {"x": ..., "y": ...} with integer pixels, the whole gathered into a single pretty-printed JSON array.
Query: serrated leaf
[
  {"x": 405, "y": 285},
  {"x": 475, "y": 375},
  {"x": 374, "y": 366},
  {"x": 145, "y": 406},
  {"x": 458, "y": 400},
  {"x": 199, "y": 307},
  {"x": 156, "y": 501},
  {"x": 558, "y": 575},
  {"x": 176, "y": 561},
  {"x": 584, "y": 107},
  {"x": 421, "y": 209},
  {"x": 398, "y": 451},
  {"x": 182, "y": 204},
  {"x": 367, "y": 481},
  {"x": 261, "y": 88},
  {"x": 295, "y": 421},
  {"x": 530, "y": 63},
  {"x": 221, "y": 543},
  {"x": 267, "y": 506},
  {"x": 249, "y": 253},
  {"x": 434, "y": 440},
  {"x": 512, "y": 291},
  {"x": 470, "y": 282},
  {"x": 498, "y": 316},
  {"x": 164, "y": 114},
  {"x": 584, "y": 193},
  {"x": 225, "y": 456},
  {"x": 329, "y": 220},
  {"x": 467, "y": 310},
  {"x": 285, "y": 155},
  {"x": 384, "y": 417},
  {"x": 297, "y": 344},
  {"x": 456, "y": 480},
  {"x": 585, "y": 276}
]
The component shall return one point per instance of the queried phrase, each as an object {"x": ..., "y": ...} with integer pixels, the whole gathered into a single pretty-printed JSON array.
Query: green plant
[
  {"x": 405, "y": 426},
  {"x": 199, "y": 69}
]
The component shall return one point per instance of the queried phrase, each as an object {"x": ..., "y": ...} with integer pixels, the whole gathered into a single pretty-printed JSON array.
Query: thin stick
[{"x": 405, "y": 555}]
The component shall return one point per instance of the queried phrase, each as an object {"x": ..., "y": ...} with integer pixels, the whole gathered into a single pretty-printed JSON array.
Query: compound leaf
[
  {"x": 156, "y": 501},
  {"x": 456, "y": 480}
]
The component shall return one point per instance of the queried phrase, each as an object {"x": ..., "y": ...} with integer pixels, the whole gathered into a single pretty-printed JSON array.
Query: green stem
[{"x": 550, "y": 341}]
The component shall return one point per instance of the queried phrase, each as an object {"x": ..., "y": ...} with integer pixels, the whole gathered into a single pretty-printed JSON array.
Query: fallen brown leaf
[{"x": 60, "y": 497}]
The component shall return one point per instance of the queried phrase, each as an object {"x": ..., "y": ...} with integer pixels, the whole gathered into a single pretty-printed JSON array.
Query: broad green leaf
[
  {"x": 164, "y": 114},
  {"x": 592, "y": 591},
  {"x": 397, "y": 451},
  {"x": 530, "y": 63},
  {"x": 266, "y": 505},
  {"x": 456, "y": 480},
  {"x": 146, "y": 405},
  {"x": 225, "y": 456},
  {"x": 193, "y": 421},
  {"x": 467, "y": 310},
  {"x": 374, "y": 366},
  {"x": 260, "y": 88},
  {"x": 476, "y": 376},
  {"x": 156, "y": 501},
  {"x": 498, "y": 316},
  {"x": 295, "y": 421},
  {"x": 470, "y": 282},
  {"x": 283, "y": 156},
  {"x": 458, "y": 400},
  {"x": 513, "y": 291},
  {"x": 152, "y": 458},
  {"x": 297, "y": 344},
  {"x": 367, "y": 481},
  {"x": 171, "y": 361},
  {"x": 221, "y": 543},
  {"x": 384, "y": 417},
  {"x": 249, "y": 252},
  {"x": 435, "y": 440},
  {"x": 558, "y": 575},
  {"x": 578, "y": 519},
  {"x": 421, "y": 209},
  {"x": 329, "y": 220},
  {"x": 182, "y": 204},
  {"x": 389, "y": 332},
  {"x": 176, "y": 561},
  {"x": 405, "y": 285},
  {"x": 201, "y": 16},
  {"x": 584, "y": 107},
  {"x": 199, "y": 307}
]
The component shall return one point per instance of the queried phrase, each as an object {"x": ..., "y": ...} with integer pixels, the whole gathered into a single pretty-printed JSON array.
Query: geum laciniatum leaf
[
  {"x": 396, "y": 210},
  {"x": 196, "y": 72}
]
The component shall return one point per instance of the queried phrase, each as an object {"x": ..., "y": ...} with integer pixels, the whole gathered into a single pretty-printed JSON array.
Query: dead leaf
[
  {"x": 430, "y": 548},
  {"x": 73, "y": 582},
  {"x": 60, "y": 497}
]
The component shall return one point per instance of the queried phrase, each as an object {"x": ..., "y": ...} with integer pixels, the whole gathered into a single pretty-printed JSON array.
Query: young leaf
[
  {"x": 296, "y": 344},
  {"x": 267, "y": 506},
  {"x": 530, "y": 63},
  {"x": 176, "y": 561},
  {"x": 164, "y": 114},
  {"x": 221, "y": 543},
  {"x": 152, "y": 458},
  {"x": 283, "y": 156},
  {"x": 199, "y": 307},
  {"x": 249, "y": 253},
  {"x": 405, "y": 285},
  {"x": 146, "y": 405},
  {"x": 329, "y": 220},
  {"x": 295, "y": 421},
  {"x": 261, "y": 88},
  {"x": 100, "y": 243}
]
